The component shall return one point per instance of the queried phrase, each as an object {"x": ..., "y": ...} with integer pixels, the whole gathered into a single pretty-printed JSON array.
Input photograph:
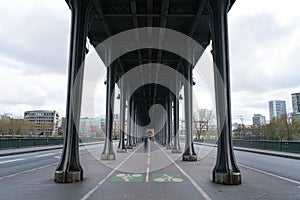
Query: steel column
[
  {"x": 176, "y": 146},
  {"x": 189, "y": 153},
  {"x": 168, "y": 121},
  {"x": 69, "y": 168},
  {"x": 121, "y": 147},
  {"x": 225, "y": 170},
  {"x": 108, "y": 151},
  {"x": 132, "y": 118}
]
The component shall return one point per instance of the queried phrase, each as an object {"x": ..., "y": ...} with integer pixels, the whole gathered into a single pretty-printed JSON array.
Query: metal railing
[
  {"x": 286, "y": 146},
  {"x": 8, "y": 143}
]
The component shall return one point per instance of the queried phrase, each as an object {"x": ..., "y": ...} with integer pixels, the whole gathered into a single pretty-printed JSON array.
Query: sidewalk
[{"x": 9, "y": 152}]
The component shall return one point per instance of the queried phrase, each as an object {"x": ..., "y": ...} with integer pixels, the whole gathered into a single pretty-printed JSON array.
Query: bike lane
[{"x": 147, "y": 174}]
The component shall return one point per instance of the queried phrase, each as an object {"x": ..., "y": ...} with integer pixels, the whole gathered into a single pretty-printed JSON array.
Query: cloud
[
  {"x": 259, "y": 58},
  {"x": 36, "y": 35},
  {"x": 21, "y": 92},
  {"x": 264, "y": 51}
]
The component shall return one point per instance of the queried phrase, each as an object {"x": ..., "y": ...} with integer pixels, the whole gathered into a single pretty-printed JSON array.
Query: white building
[
  {"x": 46, "y": 121},
  {"x": 258, "y": 120},
  {"x": 276, "y": 108}
]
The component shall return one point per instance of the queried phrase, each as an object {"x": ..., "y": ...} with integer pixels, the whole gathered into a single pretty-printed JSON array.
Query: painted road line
[
  {"x": 44, "y": 155},
  {"x": 108, "y": 175},
  {"x": 30, "y": 170},
  {"x": 270, "y": 174},
  {"x": 147, "y": 174},
  {"x": 148, "y": 164},
  {"x": 58, "y": 157},
  {"x": 9, "y": 161},
  {"x": 200, "y": 190}
]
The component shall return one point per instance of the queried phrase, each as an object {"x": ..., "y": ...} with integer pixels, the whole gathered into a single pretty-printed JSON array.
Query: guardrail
[
  {"x": 286, "y": 146},
  {"x": 8, "y": 143}
]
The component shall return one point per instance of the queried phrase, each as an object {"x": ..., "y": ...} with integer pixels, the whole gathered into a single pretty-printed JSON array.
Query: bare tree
[{"x": 202, "y": 122}]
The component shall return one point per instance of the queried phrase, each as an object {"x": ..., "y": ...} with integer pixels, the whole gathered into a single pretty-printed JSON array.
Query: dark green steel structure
[{"x": 205, "y": 21}]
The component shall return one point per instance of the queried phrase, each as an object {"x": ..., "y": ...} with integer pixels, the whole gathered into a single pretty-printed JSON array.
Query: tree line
[
  {"x": 20, "y": 127},
  {"x": 282, "y": 128}
]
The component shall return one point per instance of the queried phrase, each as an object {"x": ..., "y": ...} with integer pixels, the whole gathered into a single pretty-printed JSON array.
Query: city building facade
[
  {"x": 258, "y": 120},
  {"x": 89, "y": 127},
  {"x": 276, "y": 108},
  {"x": 296, "y": 102},
  {"x": 6, "y": 116},
  {"x": 46, "y": 121}
]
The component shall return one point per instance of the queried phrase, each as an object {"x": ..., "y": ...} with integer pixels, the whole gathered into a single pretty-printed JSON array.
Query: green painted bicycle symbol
[
  {"x": 167, "y": 178},
  {"x": 127, "y": 178}
]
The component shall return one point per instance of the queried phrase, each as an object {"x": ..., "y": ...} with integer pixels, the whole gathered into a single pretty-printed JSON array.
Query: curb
[
  {"x": 256, "y": 151},
  {"x": 45, "y": 149}
]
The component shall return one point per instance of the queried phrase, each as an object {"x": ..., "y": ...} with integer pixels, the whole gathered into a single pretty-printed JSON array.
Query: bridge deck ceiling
[{"x": 189, "y": 17}]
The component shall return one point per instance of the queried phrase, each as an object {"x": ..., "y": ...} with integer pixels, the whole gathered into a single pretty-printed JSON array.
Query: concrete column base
[
  {"x": 68, "y": 177},
  {"x": 189, "y": 157},
  {"x": 176, "y": 151},
  {"x": 121, "y": 150},
  {"x": 227, "y": 178},
  {"x": 108, "y": 157}
]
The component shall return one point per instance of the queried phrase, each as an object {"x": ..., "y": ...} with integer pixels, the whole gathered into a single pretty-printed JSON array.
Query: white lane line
[
  {"x": 270, "y": 174},
  {"x": 44, "y": 155},
  {"x": 148, "y": 164},
  {"x": 147, "y": 174},
  {"x": 9, "y": 161},
  {"x": 108, "y": 175},
  {"x": 30, "y": 170},
  {"x": 57, "y": 157},
  {"x": 200, "y": 190}
]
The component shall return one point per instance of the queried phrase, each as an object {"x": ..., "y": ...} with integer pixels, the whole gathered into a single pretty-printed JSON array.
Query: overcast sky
[{"x": 34, "y": 35}]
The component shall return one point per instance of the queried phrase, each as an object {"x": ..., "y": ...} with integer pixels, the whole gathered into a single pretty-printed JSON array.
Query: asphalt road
[
  {"x": 148, "y": 174},
  {"x": 285, "y": 167},
  {"x": 10, "y": 165},
  {"x": 279, "y": 166}
]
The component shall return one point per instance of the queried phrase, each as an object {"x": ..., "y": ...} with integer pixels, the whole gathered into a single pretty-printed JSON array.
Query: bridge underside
[{"x": 202, "y": 22}]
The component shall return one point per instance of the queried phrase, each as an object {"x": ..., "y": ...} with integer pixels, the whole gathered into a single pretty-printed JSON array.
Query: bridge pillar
[
  {"x": 108, "y": 151},
  {"x": 121, "y": 147},
  {"x": 69, "y": 168},
  {"x": 189, "y": 152},
  {"x": 136, "y": 130},
  {"x": 132, "y": 118},
  {"x": 168, "y": 122},
  {"x": 225, "y": 170},
  {"x": 164, "y": 131},
  {"x": 176, "y": 146},
  {"x": 134, "y": 111},
  {"x": 130, "y": 135}
]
